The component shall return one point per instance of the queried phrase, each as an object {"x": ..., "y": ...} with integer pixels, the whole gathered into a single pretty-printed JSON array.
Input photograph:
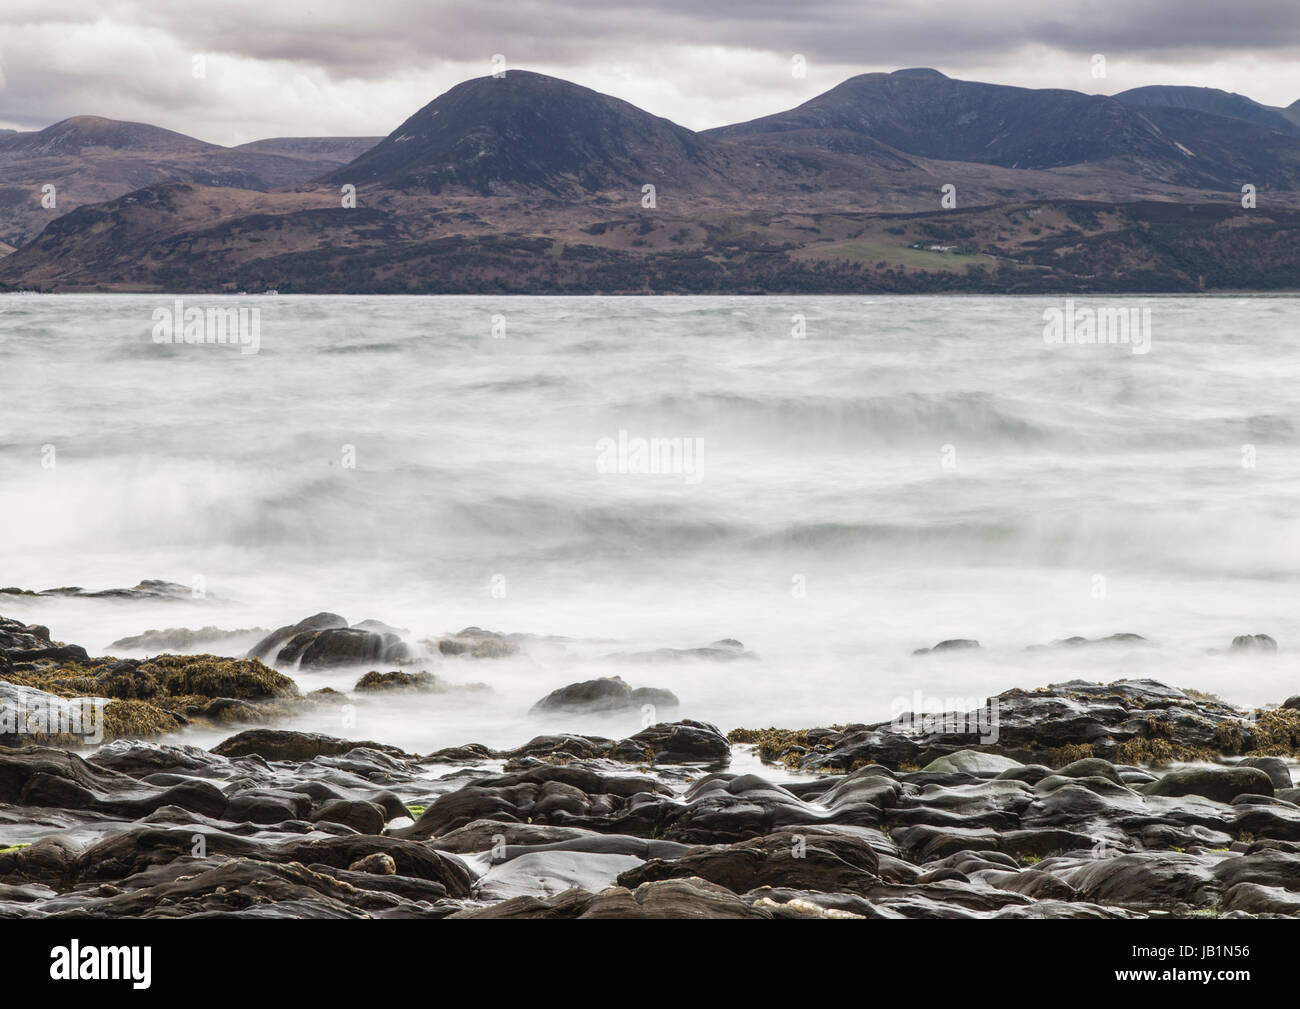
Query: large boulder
[
  {"x": 684, "y": 742},
  {"x": 984, "y": 765},
  {"x": 288, "y": 744},
  {"x": 341, "y": 646},
  {"x": 609, "y": 693},
  {"x": 270, "y": 645},
  {"x": 817, "y": 860},
  {"x": 1253, "y": 643},
  {"x": 1222, "y": 784}
]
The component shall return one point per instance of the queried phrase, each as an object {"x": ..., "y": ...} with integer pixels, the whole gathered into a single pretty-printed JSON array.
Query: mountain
[
  {"x": 526, "y": 131},
  {"x": 319, "y": 149},
  {"x": 1213, "y": 102},
  {"x": 528, "y": 183},
  {"x": 89, "y": 159},
  {"x": 924, "y": 113},
  {"x": 82, "y": 134}
]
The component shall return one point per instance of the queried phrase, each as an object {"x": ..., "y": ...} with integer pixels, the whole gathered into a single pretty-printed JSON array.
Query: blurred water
[{"x": 1092, "y": 490}]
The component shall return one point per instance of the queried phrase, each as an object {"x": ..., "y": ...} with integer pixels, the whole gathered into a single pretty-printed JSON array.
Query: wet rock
[
  {"x": 341, "y": 646},
  {"x": 683, "y": 742},
  {"x": 950, "y": 645},
  {"x": 1091, "y": 767},
  {"x": 478, "y": 644},
  {"x": 288, "y": 744},
  {"x": 363, "y": 817},
  {"x": 1124, "y": 721},
  {"x": 184, "y": 639},
  {"x": 1256, "y": 899},
  {"x": 972, "y": 762},
  {"x": 819, "y": 860},
  {"x": 724, "y": 650},
  {"x": 470, "y": 753},
  {"x": 378, "y": 864},
  {"x": 1253, "y": 643},
  {"x": 44, "y": 776},
  {"x": 1223, "y": 784},
  {"x": 149, "y": 588},
  {"x": 399, "y": 680},
  {"x": 140, "y": 759},
  {"x": 1275, "y": 767},
  {"x": 1122, "y": 638},
  {"x": 675, "y": 898},
  {"x": 546, "y": 873},
  {"x": 1145, "y": 879},
  {"x": 269, "y": 646},
  {"x": 608, "y": 693}
]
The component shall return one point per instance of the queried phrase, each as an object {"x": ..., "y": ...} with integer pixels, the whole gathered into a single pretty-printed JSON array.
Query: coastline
[{"x": 1046, "y": 809}]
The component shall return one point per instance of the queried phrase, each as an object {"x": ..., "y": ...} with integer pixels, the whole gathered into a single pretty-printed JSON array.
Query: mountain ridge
[{"x": 555, "y": 179}]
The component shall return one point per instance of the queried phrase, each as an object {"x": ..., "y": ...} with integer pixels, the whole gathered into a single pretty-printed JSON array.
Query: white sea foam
[{"x": 929, "y": 467}]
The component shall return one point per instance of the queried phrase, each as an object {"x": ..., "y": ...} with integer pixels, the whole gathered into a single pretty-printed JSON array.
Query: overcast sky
[{"x": 339, "y": 67}]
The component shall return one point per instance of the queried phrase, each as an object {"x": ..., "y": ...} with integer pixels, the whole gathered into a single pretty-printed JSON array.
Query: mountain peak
[
  {"x": 1212, "y": 101},
  {"x": 918, "y": 72},
  {"x": 526, "y": 130},
  {"x": 71, "y": 136}
]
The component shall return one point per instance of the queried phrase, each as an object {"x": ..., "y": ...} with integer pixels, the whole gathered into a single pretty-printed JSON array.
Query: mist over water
[{"x": 924, "y": 468}]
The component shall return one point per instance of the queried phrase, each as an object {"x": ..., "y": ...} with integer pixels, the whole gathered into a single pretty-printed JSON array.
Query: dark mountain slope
[
  {"x": 1212, "y": 101},
  {"x": 925, "y": 114},
  {"x": 526, "y": 131}
]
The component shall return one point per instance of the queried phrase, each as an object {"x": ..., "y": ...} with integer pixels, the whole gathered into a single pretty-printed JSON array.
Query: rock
[
  {"x": 973, "y": 762},
  {"x": 608, "y": 693},
  {"x": 1275, "y": 767},
  {"x": 379, "y": 627},
  {"x": 1253, "y": 643},
  {"x": 654, "y": 698},
  {"x": 724, "y": 650},
  {"x": 378, "y": 864},
  {"x": 183, "y": 639},
  {"x": 1126, "y": 721},
  {"x": 546, "y": 873},
  {"x": 149, "y": 588},
  {"x": 819, "y": 860},
  {"x": 1122, "y": 638},
  {"x": 165, "y": 677},
  {"x": 681, "y": 742},
  {"x": 230, "y": 711},
  {"x": 1090, "y": 767},
  {"x": 340, "y": 646},
  {"x": 363, "y": 817},
  {"x": 675, "y": 898},
  {"x": 478, "y": 644},
  {"x": 270, "y": 645},
  {"x": 288, "y": 744},
  {"x": 1145, "y": 879},
  {"x": 951, "y": 645},
  {"x": 1222, "y": 784},
  {"x": 399, "y": 680}
]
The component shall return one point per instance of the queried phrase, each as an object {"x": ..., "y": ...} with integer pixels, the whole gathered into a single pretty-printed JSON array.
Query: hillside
[
  {"x": 527, "y": 183},
  {"x": 90, "y": 159}
]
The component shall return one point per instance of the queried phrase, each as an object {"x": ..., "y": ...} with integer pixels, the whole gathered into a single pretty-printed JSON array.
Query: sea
[{"x": 834, "y": 482}]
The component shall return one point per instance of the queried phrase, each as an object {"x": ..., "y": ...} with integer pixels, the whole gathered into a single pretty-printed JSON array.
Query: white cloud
[{"x": 335, "y": 67}]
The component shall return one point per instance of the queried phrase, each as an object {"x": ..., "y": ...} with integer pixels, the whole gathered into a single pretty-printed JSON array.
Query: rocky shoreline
[{"x": 1077, "y": 800}]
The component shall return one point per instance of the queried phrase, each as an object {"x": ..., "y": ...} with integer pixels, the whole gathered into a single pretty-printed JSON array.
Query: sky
[{"x": 241, "y": 70}]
